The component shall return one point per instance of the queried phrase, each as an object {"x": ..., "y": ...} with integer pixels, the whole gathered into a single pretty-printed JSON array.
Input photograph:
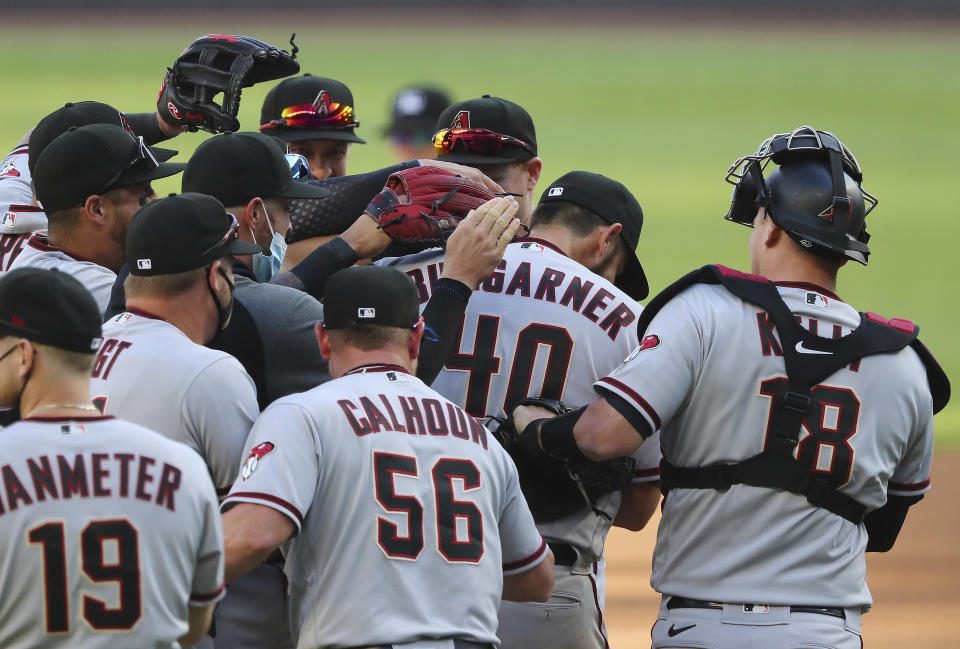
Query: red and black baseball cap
[
  {"x": 489, "y": 130},
  {"x": 93, "y": 159},
  {"x": 614, "y": 203},
  {"x": 310, "y": 108},
  {"x": 370, "y": 295},
  {"x": 49, "y": 307},
  {"x": 236, "y": 167},
  {"x": 181, "y": 232},
  {"x": 79, "y": 114}
]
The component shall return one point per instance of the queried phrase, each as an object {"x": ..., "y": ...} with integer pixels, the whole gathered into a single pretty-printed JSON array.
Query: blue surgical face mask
[{"x": 265, "y": 267}]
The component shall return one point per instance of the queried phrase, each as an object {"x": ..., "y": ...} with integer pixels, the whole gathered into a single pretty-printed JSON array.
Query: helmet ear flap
[{"x": 748, "y": 195}]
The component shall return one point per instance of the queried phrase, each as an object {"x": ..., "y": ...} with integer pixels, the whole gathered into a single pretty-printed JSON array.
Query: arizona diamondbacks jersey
[
  {"x": 149, "y": 372},
  {"x": 705, "y": 375},
  {"x": 545, "y": 325},
  {"x": 408, "y": 513},
  {"x": 20, "y": 217},
  {"x": 107, "y": 532},
  {"x": 38, "y": 253}
]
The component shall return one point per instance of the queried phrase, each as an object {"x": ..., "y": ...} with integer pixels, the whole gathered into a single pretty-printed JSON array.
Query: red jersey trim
[
  {"x": 377, "y": 367},
  {"x": 596, "y": 602},
  {"x": 646, "y": 473},
  {"x": 40, "y": 242},
  {"x": 526, "y": 561},
  {"x": 545, "y": 244},
  {"x": 144, "y": 314},
  {"x": 809, "y": 287},
  {"x": 206, "y": 597},
  {"x": 21, "y": 150},
  {"x": 77, "y": 418},
  {"x": 17, "y": 207},
  {"x": 256, "y": 495},
  {"x": 912, "y": 486},
  {"x": 630, "y": 392}
]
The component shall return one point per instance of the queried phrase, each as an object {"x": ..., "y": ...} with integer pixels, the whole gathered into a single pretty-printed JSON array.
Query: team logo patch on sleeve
[
  {"x": 648, "y": 342},
  {"x": 9, "y": 169},
  {"x": 253, "y": 460}
]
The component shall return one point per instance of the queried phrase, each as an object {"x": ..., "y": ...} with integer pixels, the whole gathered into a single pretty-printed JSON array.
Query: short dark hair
[
  {"x": 575, "y": 218},
  {"x": 368, "y": 337}
]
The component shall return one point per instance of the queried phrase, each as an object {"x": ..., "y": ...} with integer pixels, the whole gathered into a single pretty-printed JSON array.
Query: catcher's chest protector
[{"x": 776, "y": 467}]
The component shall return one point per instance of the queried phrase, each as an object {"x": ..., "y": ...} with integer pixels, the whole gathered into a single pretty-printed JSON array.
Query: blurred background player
[
  {"x": 317, "y": 118},
  {"x": 559, "y": 313},
  {"x": 91, "y": 180},
  {"x": 438, "y": 530},
  {"x": 413, "y": 121},
  {"x": 109, "y": 533}
]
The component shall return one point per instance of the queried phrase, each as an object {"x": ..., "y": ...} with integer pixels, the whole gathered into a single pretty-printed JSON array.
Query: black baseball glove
[
  {"x": 554, "y": 487},
  {"x": 213, "y": 64}
]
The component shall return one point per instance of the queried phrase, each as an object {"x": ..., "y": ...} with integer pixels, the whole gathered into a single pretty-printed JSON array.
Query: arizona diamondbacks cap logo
[
  {"x": 462, "y": 120},
  {"x": 253, "y": 460},
  {"x": 322, "y": 103}
]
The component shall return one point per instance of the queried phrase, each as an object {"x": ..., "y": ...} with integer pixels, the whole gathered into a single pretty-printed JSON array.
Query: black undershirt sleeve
[
  {"x": 311, "y": 274},
  {"x": 628, "y": 412},
  {"x": 883, "y": 525},
  {"x": 146, "y": 125},
  {"x": 442, "y": 317}
]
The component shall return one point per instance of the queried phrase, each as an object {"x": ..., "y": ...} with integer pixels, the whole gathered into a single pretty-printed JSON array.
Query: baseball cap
[
  {"x": 92, "y": 159},
  {"x": 50, "y": 308},
  {"x": 310, "y": 108},
  {"x": 492, "y": 114},
  {"x": 235, "y": 167},
  {"x": 613, "y": 203},
  {"x": 374, "y": 295},
  {"x": 80, "y": 113},
  {"x": 415, "y": 111},
  {"x": 182, "y": 232}
]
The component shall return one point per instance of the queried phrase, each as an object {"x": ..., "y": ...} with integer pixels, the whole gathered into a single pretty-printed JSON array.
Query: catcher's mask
[{"x": 815, "y": 195}]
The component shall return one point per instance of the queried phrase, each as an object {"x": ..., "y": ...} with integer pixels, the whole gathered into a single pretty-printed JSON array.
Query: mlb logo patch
[
  {"x": 531, "y": 245},
  {"x": 9, "y": 218},
  {"x": 397, "y": 377},
  {"x": 555, "y": 191},
  {"x": 95, "y": 343},
  {"x": 144, "y": 264},
  {"x": 366, "y": 312},
  {"x": 817, "y": 300}
]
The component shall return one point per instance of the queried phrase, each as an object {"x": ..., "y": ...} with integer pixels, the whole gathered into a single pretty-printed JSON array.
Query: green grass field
[{"x": 663, "y": 108}]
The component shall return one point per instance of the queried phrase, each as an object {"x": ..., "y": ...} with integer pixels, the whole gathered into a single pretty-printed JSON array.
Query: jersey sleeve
[
  {"x": 282, "y": 463},
  {"x": 520, "y": 541},
  {"x": 207, "y": 586},
  {"x": 17, "y": 212},
  {"x": 647, "y": 460},
  {"x": 655, "y": 379},
  {"x": 220, "y": 407},
  {"x": 912, "y": 475}
]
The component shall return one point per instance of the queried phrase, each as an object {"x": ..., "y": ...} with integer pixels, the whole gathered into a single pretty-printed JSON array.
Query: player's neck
[
  {"x": 56, "y": 396},
  {"x": 557, "y": 235},
  {"x": 95, "y": 246},
  {"x": 347, "y": 358},
  {"x": 182, "y": 312},
  {"x": 796, "y": 268}
]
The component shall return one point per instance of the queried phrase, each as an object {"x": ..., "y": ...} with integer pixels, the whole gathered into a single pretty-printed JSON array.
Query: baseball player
[
  {"x": 413, "y": 121},
  {"x": 109, "y": 533},
  {"x": 375, "y": 466},
  {"x": 795, "y": 431},
  {"x": 91, "y": 180},
  {"x": 557, "y": 314}
]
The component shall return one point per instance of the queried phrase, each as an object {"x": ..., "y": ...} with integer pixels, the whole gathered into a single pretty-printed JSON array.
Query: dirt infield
[{"x": 914, "y": 586}]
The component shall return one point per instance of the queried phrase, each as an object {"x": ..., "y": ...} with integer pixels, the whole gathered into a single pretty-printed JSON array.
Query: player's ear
[
  {"x": 413, "y": 341},
  {"x": 253, "y": 213},
  {"x": 534, "y": 167},
  {"x": 94, "y": 208},
  {"x": 323, "y": 340}
]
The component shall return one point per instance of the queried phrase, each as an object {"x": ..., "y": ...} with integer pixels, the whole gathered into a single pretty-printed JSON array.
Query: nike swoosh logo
[
  {"x": 672, "y": 631},
  {"x": 806, "y": 350},
  {"x": 430, "y": 335}
]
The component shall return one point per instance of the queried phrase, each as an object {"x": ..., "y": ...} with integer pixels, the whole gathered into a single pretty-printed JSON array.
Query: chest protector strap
[{"x": 775, "y": 467}]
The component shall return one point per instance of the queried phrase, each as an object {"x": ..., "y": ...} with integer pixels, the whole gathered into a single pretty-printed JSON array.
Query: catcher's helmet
[{"x": 815, "y": 195}]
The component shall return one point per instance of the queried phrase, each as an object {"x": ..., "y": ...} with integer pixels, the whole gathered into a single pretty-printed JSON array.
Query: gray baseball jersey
[
  {"x": 107, "y": 532},
  {"x": 408, "y": 513},
  {"x": 545, "y": 325},
  {"x": 19, "y": 217},
  {"x": 38, "y": 253},
  {"x": 149, "y": 372},
  {"x": 705, "y": 375}
]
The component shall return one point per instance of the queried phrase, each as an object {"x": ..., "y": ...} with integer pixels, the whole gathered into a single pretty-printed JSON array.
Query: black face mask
[{"x": 223, "y": 313}]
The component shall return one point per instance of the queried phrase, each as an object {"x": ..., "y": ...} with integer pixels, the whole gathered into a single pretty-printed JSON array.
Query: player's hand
[
  {"x": 523, "y": 415},
  {"x": 477, "y": 245},
  {"x": 466, "y": 172}
]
